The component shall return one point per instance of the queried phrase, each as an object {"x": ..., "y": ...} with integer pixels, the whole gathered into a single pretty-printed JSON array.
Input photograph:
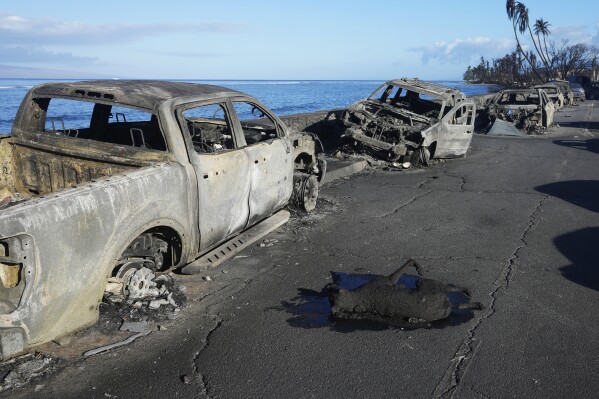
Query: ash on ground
[
  {"x": 22, "y": 370},
  {"x": 302, "y": 220},
  {"x": 157, "y": 300}
]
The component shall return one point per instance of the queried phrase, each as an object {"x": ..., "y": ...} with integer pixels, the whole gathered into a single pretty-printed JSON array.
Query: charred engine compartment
[
  {"x": 392, "y": 129},
  {"x": 389, "y": 125},
  {"x": 523, "y": 119}
]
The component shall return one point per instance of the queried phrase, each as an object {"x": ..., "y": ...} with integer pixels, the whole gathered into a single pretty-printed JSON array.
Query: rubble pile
[{"x": 140, "y": 295}]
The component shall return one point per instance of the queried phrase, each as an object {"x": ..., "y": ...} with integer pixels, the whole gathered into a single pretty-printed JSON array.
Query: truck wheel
[
  {"x": 138, "y": 272},
  {"x": 305, "y": 192},
  {"x": 425, "y": 155},
  {"x": 132, "y": 279}
]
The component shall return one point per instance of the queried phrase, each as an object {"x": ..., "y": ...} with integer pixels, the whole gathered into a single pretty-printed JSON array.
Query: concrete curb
[{"x": 340, "y": 168}]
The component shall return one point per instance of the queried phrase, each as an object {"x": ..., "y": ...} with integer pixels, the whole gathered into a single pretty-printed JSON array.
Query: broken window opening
[
  {"x": 462, "y": 116},
  {"x": 257, "y": 126},
  {"x": 413, "y": 101},
  {"x": 209, "y": 129},
  {"x": 102, "y": 122}
]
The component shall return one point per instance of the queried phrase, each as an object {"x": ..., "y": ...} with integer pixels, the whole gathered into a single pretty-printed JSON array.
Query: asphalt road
[{"x": 517, "y": 222}]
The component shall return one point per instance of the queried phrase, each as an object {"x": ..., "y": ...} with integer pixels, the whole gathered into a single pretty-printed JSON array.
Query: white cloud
[
  {"x": 573, "y": 34},
  {"x": 19, "y": 30},
  {"x": 462, "y": 51}
]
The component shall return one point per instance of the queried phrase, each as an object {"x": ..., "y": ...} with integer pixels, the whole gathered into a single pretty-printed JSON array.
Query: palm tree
[
  {"x": 521, "y": 16},
  {"x": 542, "y": 28},
  {"x": 518, "y": 14}
]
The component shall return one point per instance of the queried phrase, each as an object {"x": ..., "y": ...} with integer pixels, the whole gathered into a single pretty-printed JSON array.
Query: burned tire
[
  {"x": 305, "y": 192},
  {"x": 425, "y": 155}
]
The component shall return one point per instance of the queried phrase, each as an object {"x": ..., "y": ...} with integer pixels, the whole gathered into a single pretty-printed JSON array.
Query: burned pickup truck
[
  {"x": 104, "y": 180},
  {"x": 530, "y": 110},
  {"x": 408, "y": 118}
]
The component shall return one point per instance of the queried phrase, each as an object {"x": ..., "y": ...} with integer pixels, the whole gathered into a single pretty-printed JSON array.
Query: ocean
[{"x": 283, "y": 97}]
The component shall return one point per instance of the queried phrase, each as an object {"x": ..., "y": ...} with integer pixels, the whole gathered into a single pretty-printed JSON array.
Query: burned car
[
  {"x": 578, "y": 90},
  {"x": 554, "y": 93},
  {"x": 530, "y": 110},
  {"x": 408, "y": 118},
  {"x": 106, "y": 184},
  {"x": 564, "y": 87}
]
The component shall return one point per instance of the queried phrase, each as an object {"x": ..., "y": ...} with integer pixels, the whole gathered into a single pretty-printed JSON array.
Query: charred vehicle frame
[
  {"x": 564, "y": 86},
  {"x": 530, "y": 110},
  {"x": 159, "y": 176},
  {"x": 405, "y": 118},
  {"x": 554, "y": 92}
]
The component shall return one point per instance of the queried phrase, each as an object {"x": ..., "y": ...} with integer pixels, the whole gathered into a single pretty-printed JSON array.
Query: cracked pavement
[{"x": 517, "y": 222}]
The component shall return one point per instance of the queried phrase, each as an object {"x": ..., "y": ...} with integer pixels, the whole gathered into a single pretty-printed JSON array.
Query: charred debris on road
[{"x": 386, "y": 300}]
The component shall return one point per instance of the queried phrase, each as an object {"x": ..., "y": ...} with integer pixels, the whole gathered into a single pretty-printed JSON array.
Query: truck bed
[{"x": 34, "y": 164}]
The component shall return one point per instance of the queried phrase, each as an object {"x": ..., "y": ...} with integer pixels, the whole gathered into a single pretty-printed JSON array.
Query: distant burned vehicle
[
  {"x": 578, "y": 90},
  {"x": 528, "y": 109},
  {"x": 554, "y": 93},
  {"x": 408, "y": 118},
  {"x": 564, "y": 86}
]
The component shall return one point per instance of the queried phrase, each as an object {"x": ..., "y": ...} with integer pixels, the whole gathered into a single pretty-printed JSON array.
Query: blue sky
[{"x": 305, "y": 39}]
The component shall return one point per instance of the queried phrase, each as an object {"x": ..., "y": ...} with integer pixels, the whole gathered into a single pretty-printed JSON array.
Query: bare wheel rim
[
  {"x": 425, "y": 155},
  {"x": 310, "y": 193},
  {"x": 305, "y": 192}
]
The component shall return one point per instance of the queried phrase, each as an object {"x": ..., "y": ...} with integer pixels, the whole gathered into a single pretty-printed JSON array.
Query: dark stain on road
[{"x": 312, "y": 309}]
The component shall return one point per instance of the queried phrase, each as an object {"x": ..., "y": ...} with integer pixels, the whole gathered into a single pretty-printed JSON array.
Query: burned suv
[
  {"x": 530, "y": 110},
  {"x": 406, "y": 119}
]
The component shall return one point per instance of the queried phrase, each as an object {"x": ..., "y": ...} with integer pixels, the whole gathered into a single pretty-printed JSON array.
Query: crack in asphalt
[
  {"x": 201, "y": 379},
  {"x": 234, "y": 287},
  {"x": 448, "y": 174},
  {"x": 531, "y": 223},
  {"x": 501, "y": 192},
  {"x": 411, "y": 201},
  {"x": 456, "y": 258},
  {"x": 447, "y": 386},
  {"x": 427, "y": 181}
]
